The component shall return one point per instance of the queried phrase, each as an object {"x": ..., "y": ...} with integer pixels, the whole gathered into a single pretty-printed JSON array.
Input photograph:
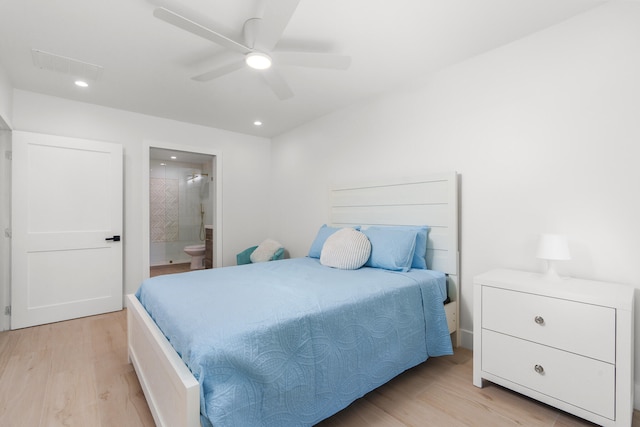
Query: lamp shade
[{"x": 553, "y": 247}]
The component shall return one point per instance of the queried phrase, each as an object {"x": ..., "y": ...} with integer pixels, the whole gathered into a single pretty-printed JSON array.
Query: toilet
[{"x": 197, "y": 255}]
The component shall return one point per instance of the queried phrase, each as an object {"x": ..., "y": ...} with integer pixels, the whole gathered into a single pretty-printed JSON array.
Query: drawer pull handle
[
  {"x": 539, "y": 320},
  {"x": 539, "y": 369}
]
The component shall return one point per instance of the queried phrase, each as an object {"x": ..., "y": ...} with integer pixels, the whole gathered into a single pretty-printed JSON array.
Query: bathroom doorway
[{"x": 182, "y": 188}]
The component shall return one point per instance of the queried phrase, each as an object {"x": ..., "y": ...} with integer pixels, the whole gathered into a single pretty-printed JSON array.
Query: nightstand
[{"x": 568, "y": 343}]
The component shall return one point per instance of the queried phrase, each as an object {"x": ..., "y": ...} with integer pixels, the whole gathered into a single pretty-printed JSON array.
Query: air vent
[{"x": 62, "y": 64}]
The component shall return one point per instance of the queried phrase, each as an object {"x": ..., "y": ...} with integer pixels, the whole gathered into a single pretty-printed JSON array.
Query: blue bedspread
[{"x": 291, "y": 342}]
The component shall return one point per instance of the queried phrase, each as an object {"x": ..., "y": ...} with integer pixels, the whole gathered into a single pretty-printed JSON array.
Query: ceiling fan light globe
[{"x": 258, "y": 60}]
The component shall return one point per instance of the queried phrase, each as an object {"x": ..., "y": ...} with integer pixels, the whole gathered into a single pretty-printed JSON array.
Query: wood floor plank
[
  {"x": 410, "y": 412},
  {"x": 362, "y": 413},
  {"x": 159, "y": 270},
  {"x": 22, "y": 388},
  {"x": 121, "y": 402},
  {"x": 479, "y": 406},
  {"x": 71, "y": 399},
  {"x": 7, "y": 344},
  {"x": 109, "y": 335}
]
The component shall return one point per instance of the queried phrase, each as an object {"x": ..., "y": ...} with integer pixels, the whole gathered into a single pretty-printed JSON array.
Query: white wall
[
  {"x": 6, "y": 97},
  {"x": 245, "y": 164},
  {"x": 544, "y": 132}
]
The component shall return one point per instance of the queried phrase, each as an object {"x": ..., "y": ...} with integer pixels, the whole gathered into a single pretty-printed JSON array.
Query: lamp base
[{"x": 551, "y": 275}]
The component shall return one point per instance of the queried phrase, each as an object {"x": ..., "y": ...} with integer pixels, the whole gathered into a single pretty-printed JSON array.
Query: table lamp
[{"x": 552, "y": 248}]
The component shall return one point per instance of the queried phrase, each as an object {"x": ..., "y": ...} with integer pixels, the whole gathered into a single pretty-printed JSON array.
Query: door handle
[{"x": 114, "y": 238}]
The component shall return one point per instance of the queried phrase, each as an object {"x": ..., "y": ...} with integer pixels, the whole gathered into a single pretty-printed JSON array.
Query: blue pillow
[
  {"x": 391, "y": 248},
  {"x": 420, "y": 253},
  {"x": 324, "y": 232}
]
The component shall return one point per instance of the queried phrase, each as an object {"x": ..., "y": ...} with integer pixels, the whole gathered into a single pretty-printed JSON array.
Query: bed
[{"x": 297, "y": 363}]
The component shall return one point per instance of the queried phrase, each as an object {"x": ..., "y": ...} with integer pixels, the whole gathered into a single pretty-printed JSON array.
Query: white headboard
[{"x": 429, "y": 200}]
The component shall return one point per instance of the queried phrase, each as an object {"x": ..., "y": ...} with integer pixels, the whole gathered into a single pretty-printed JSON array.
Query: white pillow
[
  {"x": 346, "y": 249},
  {"x": 265, "y": 251}
]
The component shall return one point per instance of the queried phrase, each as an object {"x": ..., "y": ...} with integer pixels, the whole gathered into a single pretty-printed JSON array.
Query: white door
[{"x": 66, "y": 206}]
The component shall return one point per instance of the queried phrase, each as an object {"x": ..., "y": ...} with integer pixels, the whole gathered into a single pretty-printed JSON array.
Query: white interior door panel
[{"x": 66, "y": 205}]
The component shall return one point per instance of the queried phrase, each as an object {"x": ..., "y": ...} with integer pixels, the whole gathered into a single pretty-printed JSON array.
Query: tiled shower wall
[{"x": 164, "y": 210}]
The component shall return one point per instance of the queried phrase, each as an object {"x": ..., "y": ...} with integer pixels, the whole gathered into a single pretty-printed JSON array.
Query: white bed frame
[{"x": 173, "y": 394}]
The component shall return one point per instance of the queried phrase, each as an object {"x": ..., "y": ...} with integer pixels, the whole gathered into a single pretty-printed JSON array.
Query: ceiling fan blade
[
  {"x": 275, "y": 15},
  {"x": 277, "y": 84},
  {"x": 313, "y": 59},
  {"x": 220, "y": 71},
  {"x": 199, "y": 30}
]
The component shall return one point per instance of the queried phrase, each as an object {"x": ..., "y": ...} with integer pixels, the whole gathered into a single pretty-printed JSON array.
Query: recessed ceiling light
[
  {"x": 257, "y": 123},
  {"x": 81, "y": 83},
  {"x": 173, "y": 157},
  {"x": 258, "y": 60},
  {"x": 163, "y": 164}
]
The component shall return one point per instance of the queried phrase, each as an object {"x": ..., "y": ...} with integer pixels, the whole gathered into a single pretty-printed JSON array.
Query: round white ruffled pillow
[{"x": 346, "y": 249}]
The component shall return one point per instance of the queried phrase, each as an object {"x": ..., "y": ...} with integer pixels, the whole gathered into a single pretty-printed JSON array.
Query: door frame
[
  {"x": 216, "y": 201},
  {"x": 5, "y": 224}
]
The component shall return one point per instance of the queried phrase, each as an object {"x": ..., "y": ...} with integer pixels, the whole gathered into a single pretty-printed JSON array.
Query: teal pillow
[
  {"x": 244, "y": 257},
  {"x": 278, "y": 255},
  {"x": 391, "y": 248}
]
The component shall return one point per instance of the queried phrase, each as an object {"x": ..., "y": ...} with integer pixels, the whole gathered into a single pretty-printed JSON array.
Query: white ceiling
[{"x": 148, "y": 64}]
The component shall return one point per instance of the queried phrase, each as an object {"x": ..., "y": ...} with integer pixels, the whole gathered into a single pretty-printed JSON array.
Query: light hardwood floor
[
  {"x": 72, "y": 373},
  {"x": 75, "y": 373},
  {"x": 169, "y": 269}
]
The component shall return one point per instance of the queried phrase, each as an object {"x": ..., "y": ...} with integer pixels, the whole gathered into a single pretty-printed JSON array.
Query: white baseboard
[{"x": 466, "y": 338}]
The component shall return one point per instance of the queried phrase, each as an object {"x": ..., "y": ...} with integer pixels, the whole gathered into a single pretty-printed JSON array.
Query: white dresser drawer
[
  {"x": 580, "y": 328},
  {"x": 580, "y": 381}
]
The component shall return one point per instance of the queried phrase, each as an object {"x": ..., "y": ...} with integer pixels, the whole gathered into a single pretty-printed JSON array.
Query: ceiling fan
[{"x": 257, "y": 50}]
